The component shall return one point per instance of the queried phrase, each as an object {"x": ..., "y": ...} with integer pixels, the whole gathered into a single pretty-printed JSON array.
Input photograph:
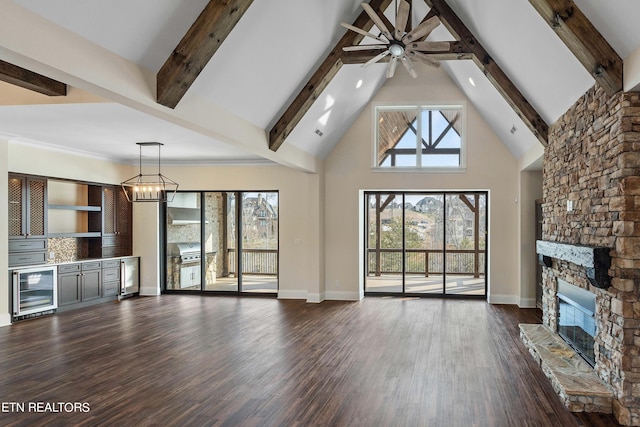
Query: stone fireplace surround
[{"x": 593, "y": 161}]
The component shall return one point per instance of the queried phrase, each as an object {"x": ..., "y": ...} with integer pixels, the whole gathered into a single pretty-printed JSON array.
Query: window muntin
[{"x": 426, "y": 137}]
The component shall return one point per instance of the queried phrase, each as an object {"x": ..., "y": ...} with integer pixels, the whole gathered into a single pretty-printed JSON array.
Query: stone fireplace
[{"x": 591, "y": 198}]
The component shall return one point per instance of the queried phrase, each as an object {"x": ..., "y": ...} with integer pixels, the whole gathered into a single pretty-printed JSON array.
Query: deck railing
[
  {"x": 426, "y": 261},
  {"x": 255, "y": 261}
]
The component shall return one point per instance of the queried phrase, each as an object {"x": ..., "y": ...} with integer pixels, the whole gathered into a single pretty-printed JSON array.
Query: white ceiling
[{"x": 270, "y": 55}]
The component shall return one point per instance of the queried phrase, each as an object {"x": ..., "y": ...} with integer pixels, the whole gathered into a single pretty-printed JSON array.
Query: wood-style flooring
[{"x": 183, "y": 360}]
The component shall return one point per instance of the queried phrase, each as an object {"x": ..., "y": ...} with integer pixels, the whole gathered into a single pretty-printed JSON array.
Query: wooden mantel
[{"x": 595, "y": 260}]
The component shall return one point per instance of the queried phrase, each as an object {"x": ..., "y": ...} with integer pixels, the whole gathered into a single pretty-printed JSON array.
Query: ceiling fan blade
[
  {"x": 401, "y": 20},
  {"x": 423, "y": 58},
  {"x": 422, "y": 30},
  {"x": 376, "y": 58},
  {"x": 391, "y": 68},
  {"x": 364, "y": 47},
  {"x": 430, "y": 46},
  {"x": 363, "y": 32},
  {"x": 376, "y": 20},
  {"x": 408, "y": 65}
]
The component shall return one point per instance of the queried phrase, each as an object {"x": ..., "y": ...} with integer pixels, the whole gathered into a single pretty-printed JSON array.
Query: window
[{"x": 426, "y": 137}]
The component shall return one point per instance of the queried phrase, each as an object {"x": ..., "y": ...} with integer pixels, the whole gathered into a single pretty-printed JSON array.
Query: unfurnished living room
[{"x": 274, "y": 213}]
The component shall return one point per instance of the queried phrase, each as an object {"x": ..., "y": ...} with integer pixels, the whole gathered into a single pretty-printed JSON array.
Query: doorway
[
  {"x": 222, "y": 242},
  {"x": 426, "y": 243}
]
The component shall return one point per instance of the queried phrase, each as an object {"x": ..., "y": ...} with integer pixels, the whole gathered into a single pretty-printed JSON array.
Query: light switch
[{"x": 569, "y": 205}]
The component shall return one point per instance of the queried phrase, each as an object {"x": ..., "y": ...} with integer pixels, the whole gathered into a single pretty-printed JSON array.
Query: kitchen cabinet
[
  {"x": 79, "y": 283},
  {"x": 27, "y": 207},
  {"x": 69, "y": 284},
  {"x": 110, "y": 277},
  {"x": 27, "y": 219},
  {"x": 114, "y": 222}
]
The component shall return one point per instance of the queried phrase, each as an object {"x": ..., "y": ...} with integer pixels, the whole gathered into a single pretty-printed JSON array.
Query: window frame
[{"x": 419, "y": 108}]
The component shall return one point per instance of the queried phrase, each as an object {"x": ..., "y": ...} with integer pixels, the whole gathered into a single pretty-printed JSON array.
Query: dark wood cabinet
[
  {"x": 114, "y": 221},
  {"x": 27, "y": 215},
  {"x": 27, "y": 207}
]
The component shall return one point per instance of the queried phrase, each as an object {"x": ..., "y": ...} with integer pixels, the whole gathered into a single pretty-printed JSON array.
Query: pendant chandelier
[{"x": 149, "y": 187}]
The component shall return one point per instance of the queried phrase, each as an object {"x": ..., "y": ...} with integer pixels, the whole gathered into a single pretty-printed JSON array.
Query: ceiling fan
[{"x": 401, "y": 45}]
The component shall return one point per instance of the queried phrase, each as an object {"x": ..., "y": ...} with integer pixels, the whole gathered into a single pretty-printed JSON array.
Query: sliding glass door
[
  {"x": 426, "y": 243},
  {"x": 205, "y": 232}
]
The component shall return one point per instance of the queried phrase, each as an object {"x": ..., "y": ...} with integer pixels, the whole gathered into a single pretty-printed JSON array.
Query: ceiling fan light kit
[{"x": 399, "y": 44}]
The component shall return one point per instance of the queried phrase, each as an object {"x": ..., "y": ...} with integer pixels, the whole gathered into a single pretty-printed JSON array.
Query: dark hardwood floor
[{"x": 181, "y": 360}]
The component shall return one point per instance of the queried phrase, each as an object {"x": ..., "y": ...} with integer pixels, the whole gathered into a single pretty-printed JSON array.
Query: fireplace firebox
[{"x": 576, "y": 319}]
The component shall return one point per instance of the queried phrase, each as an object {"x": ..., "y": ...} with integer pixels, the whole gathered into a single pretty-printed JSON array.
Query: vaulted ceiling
[{"x": 265, "y": 80}]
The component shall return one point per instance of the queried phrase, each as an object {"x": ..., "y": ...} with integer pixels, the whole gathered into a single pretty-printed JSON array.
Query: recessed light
[
  {"x": 472, "y": 82},
  {"x": 359, "y": 84}
]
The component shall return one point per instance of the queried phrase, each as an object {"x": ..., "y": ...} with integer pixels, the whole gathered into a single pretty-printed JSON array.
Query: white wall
[
  {"x": 300, "y": 216},
  {"x": 530, "y": 190},
  {"x": 5, "y": 308},
  {"x": 490, "y": 166},
  {"x": 301, "y": 239},
  {"x": 319, "y": 213}
]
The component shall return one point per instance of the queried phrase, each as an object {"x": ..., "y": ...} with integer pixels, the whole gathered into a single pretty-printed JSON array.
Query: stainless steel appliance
[
  {"x": 187, "y": 256},
  {"x": 34, "y": 290},
  {"x": 129, "y": 277}
]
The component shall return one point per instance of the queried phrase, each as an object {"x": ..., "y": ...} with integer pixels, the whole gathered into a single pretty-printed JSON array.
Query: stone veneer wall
[{"x": 593, "y": 160}]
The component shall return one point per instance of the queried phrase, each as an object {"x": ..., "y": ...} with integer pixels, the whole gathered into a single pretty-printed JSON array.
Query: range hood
[{"x": 183, "y": 216}]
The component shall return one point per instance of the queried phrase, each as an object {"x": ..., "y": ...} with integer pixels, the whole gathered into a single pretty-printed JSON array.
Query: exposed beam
[
  {"x": 494, "y": 73},
  {"x": 457, "y": 50},
  {"x": 584, "y": 41},
  {"x": 320, "y": 79},
  {"x": 196, "y": 48},
  {"x": 29, "y": 80}
]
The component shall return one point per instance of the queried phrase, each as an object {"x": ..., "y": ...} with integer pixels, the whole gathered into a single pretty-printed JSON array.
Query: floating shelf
[
  {"x": 76, "y": 208},
  {"x": 88, "y": 234}
]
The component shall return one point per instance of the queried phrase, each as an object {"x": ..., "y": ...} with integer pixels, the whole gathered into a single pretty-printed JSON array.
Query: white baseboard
[
  {"x": 295, "y": 294},
  {"x": 527, "y": 303},
  {"x": 5, "y": 319},
  {"x": 315, "y": 298},
  {"x": 343, "y": 296},
  {"x": 504, "y": 299}
]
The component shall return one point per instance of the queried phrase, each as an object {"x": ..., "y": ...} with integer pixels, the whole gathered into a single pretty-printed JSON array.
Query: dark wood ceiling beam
[
  {"x": 29, "y": 80},
  {"x": 196, "y": 48},
  {"x": 584, "y": 41},
  {"x": 457, "y": 50},
  {"x": 320, "y": 79},
  {"x": 494, "y": 73}
]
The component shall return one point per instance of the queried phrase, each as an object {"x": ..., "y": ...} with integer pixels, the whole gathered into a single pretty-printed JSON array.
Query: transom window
[{"x": 429, "y": 137}]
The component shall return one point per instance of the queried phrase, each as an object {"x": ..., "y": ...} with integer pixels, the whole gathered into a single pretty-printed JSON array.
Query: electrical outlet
[
  {"x": 569, "y": 205},
  {"x": 52, "y": 255}
]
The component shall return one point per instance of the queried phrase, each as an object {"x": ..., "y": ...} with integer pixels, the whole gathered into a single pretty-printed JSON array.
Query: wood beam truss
[
  {"x": 196, "y": 48},
  {"x": 466, "y": 47},
  {"x": 494, "y": 73},
  {"x": 584, "y": 41},
  {"x": 29, "y": 80},
  {"x": 320, "y": 79}
]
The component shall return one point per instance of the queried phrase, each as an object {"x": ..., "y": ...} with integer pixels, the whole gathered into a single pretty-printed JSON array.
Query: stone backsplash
[
  {"x": 592, "y": 165},
  {"x": 67, "y": 249}
]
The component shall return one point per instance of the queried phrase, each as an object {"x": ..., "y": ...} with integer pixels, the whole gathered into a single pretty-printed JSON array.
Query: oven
[
  {"x": 187, "y": 257},
  {"x": 35, "y": 290}
]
